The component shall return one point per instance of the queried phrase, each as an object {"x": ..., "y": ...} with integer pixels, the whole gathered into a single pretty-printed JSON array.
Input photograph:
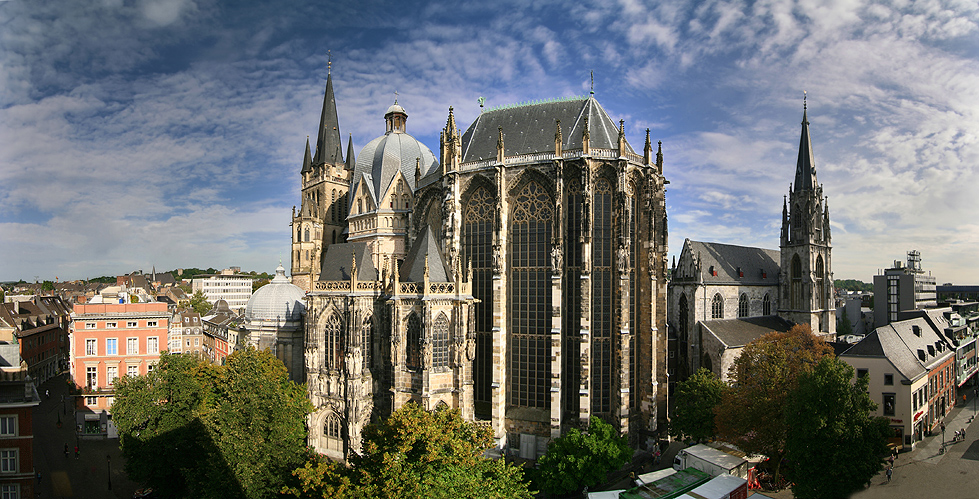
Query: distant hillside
[{"x": 853, "y": 285}]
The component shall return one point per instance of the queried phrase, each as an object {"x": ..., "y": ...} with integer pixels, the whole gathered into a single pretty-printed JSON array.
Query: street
[{"x": 98, "y": 463}]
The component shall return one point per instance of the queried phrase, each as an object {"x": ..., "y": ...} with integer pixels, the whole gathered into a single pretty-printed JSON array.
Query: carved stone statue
[
  {"x": 555, "y": 259},
  {"x": 623, "y": 259}
]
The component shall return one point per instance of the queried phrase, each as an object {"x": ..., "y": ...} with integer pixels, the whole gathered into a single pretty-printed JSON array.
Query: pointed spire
[
  {"x": 647, "y": 150},
  {"x": 805, "y": 169},
  {"x": 307, "y": 159},
  {"x": 351, "y": 160},
  {"x": 328, "y": 146},
  {"x": 499, "y": 147},
  {"x": 558, "y": 139},
  {"x": 659, "y": 157}
]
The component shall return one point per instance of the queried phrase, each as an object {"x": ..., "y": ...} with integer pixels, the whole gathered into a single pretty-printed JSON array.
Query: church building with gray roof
[
  {"x": 518, "y": 275},
  {"x": 723, "y": 296}
]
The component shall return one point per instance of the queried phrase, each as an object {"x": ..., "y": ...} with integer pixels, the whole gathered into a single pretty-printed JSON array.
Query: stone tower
[
  {"x": 325, "y": 181},
  {"x": 806, "y": 281}
]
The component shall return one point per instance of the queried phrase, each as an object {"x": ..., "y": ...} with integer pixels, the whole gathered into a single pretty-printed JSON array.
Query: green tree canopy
[
  {"x": 576, "y": 460},
  {"x": 834, "y": 445},
  {"x": 694, "y": 404},
  {"x": 199, "y": 302},
  {"x": 193, "y": 429},
  {"x": 751, "y": 412},
  {"x": 415, "y": 453}
]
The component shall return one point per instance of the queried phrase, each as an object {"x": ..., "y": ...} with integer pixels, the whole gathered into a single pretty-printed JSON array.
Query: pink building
[{"x": 108, "y": 341}]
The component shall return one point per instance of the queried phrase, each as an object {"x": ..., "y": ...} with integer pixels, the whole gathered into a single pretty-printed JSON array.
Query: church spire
[
  {"x": 328, "y": 145},
  {"x": 307, "y": 159},
  {"x": 351, "y": 160},
  {"x": 805, "y": 169}
]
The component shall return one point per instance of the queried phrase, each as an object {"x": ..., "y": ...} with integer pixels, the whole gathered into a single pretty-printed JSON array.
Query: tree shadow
[{"x": 183, "y": 462}]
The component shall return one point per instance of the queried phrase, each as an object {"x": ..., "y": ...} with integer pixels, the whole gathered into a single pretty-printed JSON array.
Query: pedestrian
[
  {"x": 38, "y": 475},
  {"x": 890, "y": 460},
  {"x": 66, "y": 450},
  {"x": 47, "y": 394},
  {"x": 76, "y": 452},
  {"x": 889, "y": 472},
  {"x": 656, "y": 457}
]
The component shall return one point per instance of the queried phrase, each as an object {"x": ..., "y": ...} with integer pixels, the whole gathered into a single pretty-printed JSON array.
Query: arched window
[
  {"x": 440, "y": 342},
  {"x": 683, "y": 320},
  {"x": 333, "y": 206},
  {"x": 717, "y": 307},
  {"x": 529, "y": 299},
  {"x": 743, "y": 305},
  {"x": 795, "y": 287},
  {"x": 333, "y": 356},
  {"x": 360, "y": 206},
  {"x": 413, "y": 353},
  {"x": 367, "y": 342},
  {"x": 306, "y": 238},
  {"x": 477, "y": 250},
  {"x": 767, "y": 305},
  {"x": 820, "y": 283},
  {"x": 571, "y": 316},
  {"x": 797, "y": 217},
  {"x": 603, "y": 304},
  {"x": 332, "y": 430}
]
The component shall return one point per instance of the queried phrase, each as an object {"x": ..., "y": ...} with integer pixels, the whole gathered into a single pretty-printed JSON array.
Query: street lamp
[{"x": 108, "y": 468}]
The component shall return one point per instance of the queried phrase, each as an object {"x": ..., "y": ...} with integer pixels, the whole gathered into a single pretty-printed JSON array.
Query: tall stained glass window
[
  {"x": 602, "y": 299},
  {"x": 530, "y": 297},
  {"x": 571, "y": 314},
  {"x": 477, "y": 249}
]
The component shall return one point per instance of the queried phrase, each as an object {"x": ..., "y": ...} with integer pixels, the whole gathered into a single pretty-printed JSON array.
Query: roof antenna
[{"x": 592, "y": 83}]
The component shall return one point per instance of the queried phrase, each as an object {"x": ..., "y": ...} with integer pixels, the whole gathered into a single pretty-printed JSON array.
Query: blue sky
[{"x": 136, "y": 133}]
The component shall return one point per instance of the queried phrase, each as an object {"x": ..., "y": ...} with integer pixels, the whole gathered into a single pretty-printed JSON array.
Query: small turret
[
  {"x": 647, "y": 151},
  {"x": 558, "y": 140},
  {"x": 499, "y": 148}
]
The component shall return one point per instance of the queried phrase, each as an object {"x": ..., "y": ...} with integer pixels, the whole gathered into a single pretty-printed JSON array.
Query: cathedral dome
[
  {"x": 396, "y": 150},
  {"x": 277, "y": 301}
]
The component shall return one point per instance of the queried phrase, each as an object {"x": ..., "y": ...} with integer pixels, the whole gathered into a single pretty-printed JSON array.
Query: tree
[
  {"x": 47, "y": 286},
  {"x": 193, "y": 429},
  {"x": 199, "y": 302},
  {"x": 694, "y": 403},
  {"x": 576, "y": 460},
  {"x": 416, "y": 453},
  {"x": 833, "y": 443},
  {"x": 751, "y": 413}
]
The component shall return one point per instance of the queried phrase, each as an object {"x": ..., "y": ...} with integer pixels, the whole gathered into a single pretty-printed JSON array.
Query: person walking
[
  {"x": 890, "y": 470},
  {"x": 66, "y": 450},
  {"x": 76, "y": 452}
]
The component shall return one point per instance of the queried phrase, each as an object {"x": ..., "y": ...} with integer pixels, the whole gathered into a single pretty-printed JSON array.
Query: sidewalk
[
  {"x": 928, "y": 449},
  {"x": 99, "y": 464}
]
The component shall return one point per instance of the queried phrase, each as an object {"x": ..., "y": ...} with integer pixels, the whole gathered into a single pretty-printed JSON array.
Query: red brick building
[{"x": 108, "y": 341}]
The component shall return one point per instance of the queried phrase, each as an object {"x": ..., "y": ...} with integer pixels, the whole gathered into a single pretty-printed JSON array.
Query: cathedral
[
  {"x": 519, "y": 276},
  {"x": 722, "y": 296}
]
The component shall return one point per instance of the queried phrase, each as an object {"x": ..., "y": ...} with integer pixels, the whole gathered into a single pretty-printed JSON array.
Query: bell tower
[
  {"x": 325, "y": 182},
  {"x": 806, "y": 280}
]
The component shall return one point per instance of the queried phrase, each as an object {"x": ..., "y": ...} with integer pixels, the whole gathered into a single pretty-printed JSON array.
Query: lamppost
[{"x": 108, "y": 467}]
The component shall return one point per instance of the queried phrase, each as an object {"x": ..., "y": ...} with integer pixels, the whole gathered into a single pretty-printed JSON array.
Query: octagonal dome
[{"x": 277, "y": 301}]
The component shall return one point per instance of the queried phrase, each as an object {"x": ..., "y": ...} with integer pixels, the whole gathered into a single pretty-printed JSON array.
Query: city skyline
[{"x": 171, "y": 132}]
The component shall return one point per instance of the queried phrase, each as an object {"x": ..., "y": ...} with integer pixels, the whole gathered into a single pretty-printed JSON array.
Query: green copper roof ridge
[{"x": 536, "y": 102}]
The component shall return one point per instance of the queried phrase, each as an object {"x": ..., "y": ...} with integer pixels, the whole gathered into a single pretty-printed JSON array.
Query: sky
[{"x": 170, "y": 133}]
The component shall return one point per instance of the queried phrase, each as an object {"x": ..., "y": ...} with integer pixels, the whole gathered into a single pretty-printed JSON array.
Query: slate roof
[
  {"x": 336, "y": 262},
  {"x": 805, "y": 168},
  {"x": 727, "y": 258},
  {"x": 530, "y": 128},
  {"x": 383, "y": 157},
  {"x": 328, "y": 146},
  {"x": 743, "y": 330},
  {"x": 907, "y": 351},
  {"x": 413, "y": 268}
]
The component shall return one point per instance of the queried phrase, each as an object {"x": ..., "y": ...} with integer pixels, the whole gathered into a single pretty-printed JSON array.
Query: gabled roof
[
  {"x": 328, "y": 146},
  {"x": 530, "y": 128},
  {"x": 739, "y": 332},
  {"x": 413, "y": 269},
  {"x": 336, "y": 262},
  {"x": 760, "y": 266},
  {"x": 906, "y": 345}
]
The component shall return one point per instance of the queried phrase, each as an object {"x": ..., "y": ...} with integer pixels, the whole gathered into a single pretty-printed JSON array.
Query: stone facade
[{"x": 542, "y": 297}]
